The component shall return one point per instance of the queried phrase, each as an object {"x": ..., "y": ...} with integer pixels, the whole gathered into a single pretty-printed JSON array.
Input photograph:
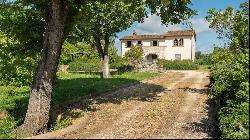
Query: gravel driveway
[{"x": 172, "y": 105}]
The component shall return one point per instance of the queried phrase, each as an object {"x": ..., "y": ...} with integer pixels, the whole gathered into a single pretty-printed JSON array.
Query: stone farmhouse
[{"x": 173, "y": 45}]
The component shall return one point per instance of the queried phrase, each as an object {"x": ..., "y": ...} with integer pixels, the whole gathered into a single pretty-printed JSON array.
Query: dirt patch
[{"x": 173, "y": 105}]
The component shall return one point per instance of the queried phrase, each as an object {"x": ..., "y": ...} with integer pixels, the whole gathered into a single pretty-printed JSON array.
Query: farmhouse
[{"x": 173, "y": 45}]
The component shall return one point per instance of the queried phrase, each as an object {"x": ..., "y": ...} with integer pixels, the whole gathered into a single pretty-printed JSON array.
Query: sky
[{"x": 205, "y": 37}]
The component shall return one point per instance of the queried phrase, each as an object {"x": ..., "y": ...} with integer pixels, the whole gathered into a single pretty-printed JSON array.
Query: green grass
[
  {"x": 202, "y": 67},
  {"x": 14, "y": 100}
]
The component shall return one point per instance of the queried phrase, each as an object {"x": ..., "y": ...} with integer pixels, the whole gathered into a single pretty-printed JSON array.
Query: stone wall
[{"x": 145, "y": 66}]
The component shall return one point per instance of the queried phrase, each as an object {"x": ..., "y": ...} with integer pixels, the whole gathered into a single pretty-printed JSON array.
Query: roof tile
[{"x": 168, "y": 34}]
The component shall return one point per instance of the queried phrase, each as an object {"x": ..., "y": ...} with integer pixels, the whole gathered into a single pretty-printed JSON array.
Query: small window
[
  {"x": 175, "y": 42},
  {"x": 155, "y": 43},
  {"x": 177, "y": 56},
  {"x": 129, "y": 43},
  {"x": 181, "y": 42},
  {"x": 139, "y": 42}
]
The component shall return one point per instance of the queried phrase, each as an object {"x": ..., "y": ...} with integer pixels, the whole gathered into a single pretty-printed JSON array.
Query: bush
[
  {"x": 177, "y": 64},
  {"x": 133, "y": 57},
  {"x": 84, "y": 66},
  {"x": 230, "y": 88},
  {"x": 125, "y": 68}
]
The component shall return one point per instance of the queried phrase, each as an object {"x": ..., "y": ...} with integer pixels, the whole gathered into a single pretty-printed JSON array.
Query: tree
[
  {"x": 101, "y": 28},
  {"x": 123, "y": 14},
  {"x": 37, "y": 115},
  {"x": 230, "y": 71},
  {"x": 231, "y": 25},
  {"x": 58, "y": 16}
]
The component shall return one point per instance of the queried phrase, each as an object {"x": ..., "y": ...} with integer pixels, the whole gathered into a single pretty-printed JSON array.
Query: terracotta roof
[
  {"x": 181, "y": 33},
  {"x": 136, "y": 37},
  {"x": 168, "y": 34}
]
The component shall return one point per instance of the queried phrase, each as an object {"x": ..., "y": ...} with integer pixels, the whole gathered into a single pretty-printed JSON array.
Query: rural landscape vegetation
[{"x": 60, "y": 70}]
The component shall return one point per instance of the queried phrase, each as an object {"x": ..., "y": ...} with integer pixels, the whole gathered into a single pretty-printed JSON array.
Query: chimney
[{"x": 134, "y": 34}]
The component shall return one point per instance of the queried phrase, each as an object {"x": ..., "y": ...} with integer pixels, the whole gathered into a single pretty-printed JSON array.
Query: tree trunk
[
  {"x": 105, "y": 66},
  {"x": 103, "y": 54},
  {"x": 37, "y": 115},
  {"x": 105, "y": 59}
]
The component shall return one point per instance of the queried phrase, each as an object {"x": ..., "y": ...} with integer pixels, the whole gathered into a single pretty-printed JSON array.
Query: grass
[
  {"x": 204, "y": 67},
  {"x": 14, "y": 100}
]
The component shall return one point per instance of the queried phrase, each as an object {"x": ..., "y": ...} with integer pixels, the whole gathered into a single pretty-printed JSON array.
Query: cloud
[
  {"x": 200, "y": 25},
  {"x": 153, "y": 25}
]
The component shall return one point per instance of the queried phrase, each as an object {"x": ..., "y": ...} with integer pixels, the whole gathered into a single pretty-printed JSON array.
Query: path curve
[{"x": 173, "y": 105}]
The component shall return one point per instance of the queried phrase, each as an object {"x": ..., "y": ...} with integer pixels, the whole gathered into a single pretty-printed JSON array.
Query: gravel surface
[{"x": 172, "y": 105}]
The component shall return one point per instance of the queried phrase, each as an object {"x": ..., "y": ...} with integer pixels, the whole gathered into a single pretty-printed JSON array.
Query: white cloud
[
  {"x": 153, "y": 25},
  {"x": 200, "y": 25}
]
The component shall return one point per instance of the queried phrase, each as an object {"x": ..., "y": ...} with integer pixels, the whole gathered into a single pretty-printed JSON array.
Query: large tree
[
  {"x": 112, "y": 17},
  {"x": 107, "y": 19},
  {"x": 59, "y": 21}
]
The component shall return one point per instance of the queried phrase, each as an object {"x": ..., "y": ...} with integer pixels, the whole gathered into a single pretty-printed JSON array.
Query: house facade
[{"x": 173, "y": 45}]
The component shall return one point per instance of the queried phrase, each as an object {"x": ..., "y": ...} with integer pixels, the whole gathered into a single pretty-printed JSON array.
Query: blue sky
[{"x": 205, "y": 37}]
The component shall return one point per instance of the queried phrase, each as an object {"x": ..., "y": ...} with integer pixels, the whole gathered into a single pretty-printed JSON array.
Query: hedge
[
  {"x": 230, "y": 89},
  {"x": 178, "y": 64},
  {"x": 84, "y": 66}
]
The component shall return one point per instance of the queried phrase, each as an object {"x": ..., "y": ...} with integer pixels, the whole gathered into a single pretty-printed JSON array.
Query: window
[
  {"x": 155, "y": 43},
  {"x": 139, "y": 42},
  {"x": 177, "y": 56},
  {"x": 129, "y": 43},
  {"x": 181, "y": 42},
  {"x": 175, "y": 42}
]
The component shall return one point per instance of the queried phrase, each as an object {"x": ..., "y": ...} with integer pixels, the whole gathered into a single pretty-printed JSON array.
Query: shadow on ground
[
  {"x": 98, "y": 91},
  {"x": 207, "y": 125}
]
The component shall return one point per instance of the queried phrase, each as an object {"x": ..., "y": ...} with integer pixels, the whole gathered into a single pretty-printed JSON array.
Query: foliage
[
  {"x": 134, "y": 56},
  {"x": 232, "y": 25},
  {"x": 21, "y": 41},
  {"x": 177, "y": 64},
  {"x": 89, "y": 61},
  {"x": 114, "y": 59},
  {"x": 88, "y": 52},
  {"x": 84, "y": 66},
  {"x": 230, "y": 71},
  {"x": 202, "y": 59}
]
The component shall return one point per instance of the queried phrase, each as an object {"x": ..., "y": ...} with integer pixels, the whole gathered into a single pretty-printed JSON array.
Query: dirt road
[{"x": 172, "y": 105}]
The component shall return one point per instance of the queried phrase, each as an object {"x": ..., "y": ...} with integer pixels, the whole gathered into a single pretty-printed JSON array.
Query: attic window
[
  {"x": 155, "y": 43},
  {"x": 129, "y": 44}
]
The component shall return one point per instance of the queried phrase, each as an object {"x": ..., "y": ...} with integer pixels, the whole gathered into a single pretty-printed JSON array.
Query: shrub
[
  {"x": 177, "y": 64},
  {"x": 230, "y": 88},
  {"x": 125, "y": 68},
  {"x": 84, "y": 66},
  {"x": 133, "y": 57}
]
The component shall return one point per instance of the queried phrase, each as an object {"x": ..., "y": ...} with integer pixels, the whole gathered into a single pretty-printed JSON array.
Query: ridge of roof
[{"x": 168, "y": 34}]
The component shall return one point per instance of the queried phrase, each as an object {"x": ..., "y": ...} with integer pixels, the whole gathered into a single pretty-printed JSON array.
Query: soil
[{"x": 172, "y": 105}]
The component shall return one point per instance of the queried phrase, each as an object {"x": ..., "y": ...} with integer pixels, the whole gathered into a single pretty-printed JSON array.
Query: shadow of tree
[
  {"x": 113, "y": 90},
  {"x": 19, "y": 106},
  {"x": 196, "y": 90},
  {"x": 208, "y": 125}
]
